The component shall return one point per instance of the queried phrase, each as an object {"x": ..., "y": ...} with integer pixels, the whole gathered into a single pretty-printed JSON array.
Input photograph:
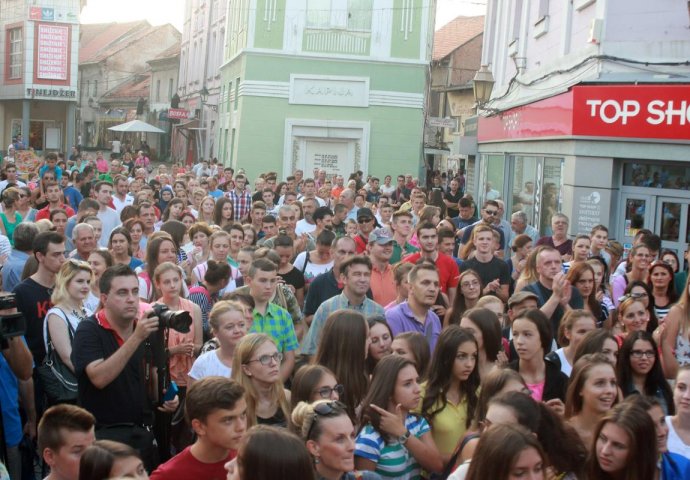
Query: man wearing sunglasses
[{"x": 490, "y": 212}]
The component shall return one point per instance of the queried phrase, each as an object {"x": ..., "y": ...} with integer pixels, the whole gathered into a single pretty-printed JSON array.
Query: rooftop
[
  {"x": 456, "y": 33},
  {"x": 97, "y": 39}
]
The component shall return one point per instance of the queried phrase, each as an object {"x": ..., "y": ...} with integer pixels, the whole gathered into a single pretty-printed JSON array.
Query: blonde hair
[
  {"x": 168, "y": 267},
  {"x": 65, "y": 275},
  {"x": 488, "y": 299},
  {"x": 221, "y": 308},
  {"x": 243, "y": 353}
]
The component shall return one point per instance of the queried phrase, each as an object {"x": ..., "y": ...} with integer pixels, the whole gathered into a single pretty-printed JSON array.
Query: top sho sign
[{"x": 641, "y": 111}]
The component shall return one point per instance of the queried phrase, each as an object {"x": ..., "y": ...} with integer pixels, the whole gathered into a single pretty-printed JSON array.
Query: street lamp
[
  {"x": 482, "y": 84},
  {"x": 204, "y": 95}
]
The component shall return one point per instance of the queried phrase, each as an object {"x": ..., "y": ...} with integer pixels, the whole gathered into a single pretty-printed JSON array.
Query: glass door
[
  {"x": 672, "y": 223},
  {"x": 637, "y": 214}
]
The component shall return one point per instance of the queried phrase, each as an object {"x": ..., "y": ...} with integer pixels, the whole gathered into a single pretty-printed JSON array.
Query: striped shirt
[{"x": 392, "y": 459}]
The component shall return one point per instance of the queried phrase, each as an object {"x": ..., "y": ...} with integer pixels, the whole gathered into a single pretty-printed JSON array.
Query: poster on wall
[
  {"x": 52, "y": 57},
  {"x": 330, "y": 156},
  {"x": 27, "y": 163}
]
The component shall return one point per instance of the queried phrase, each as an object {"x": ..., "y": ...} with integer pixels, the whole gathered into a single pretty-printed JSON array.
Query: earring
[{"x": 316, "y": 460}]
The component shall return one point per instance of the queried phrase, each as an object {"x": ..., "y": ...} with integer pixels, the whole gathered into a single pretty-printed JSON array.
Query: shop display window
[{"x": 655, "y": 175}]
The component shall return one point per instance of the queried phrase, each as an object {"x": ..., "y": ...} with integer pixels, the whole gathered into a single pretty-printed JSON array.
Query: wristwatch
[{"x": 402, "y": 439}]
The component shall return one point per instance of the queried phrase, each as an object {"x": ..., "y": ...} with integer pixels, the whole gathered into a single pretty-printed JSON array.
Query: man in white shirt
[
  {"x": 307, "y": 225},
  {"x": 108, "y": 216},
  {"x": 116, "y": 147},
  {"x": 122, "y": 198},
  {"x": 11, "y": 173}
]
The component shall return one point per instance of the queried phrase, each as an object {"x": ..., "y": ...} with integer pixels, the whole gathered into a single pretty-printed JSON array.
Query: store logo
[{"x": 657, "y": 111}]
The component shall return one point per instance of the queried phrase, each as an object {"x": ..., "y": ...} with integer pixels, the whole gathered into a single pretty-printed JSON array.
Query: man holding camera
[{"x": 108, "y": 357}]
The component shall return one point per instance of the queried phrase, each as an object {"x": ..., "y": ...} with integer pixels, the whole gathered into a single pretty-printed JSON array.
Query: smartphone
[{"x": 171, "y": 392}]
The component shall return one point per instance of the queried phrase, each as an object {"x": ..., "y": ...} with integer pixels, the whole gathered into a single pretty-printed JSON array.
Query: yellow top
[{"x": 448, "y": 425}]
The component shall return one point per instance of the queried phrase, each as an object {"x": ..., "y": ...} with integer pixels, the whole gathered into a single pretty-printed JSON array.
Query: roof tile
[{"x": 455, "y": 33}]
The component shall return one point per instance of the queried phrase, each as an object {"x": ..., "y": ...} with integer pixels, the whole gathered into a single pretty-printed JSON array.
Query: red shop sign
[
  {"x": 178, "y": 114},
  {"x": 625, "y": 111},
  {"x": 632, "y": 111}
]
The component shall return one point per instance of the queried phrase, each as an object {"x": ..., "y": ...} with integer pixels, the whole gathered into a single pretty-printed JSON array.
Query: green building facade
[{"x": 333, "y": 84}]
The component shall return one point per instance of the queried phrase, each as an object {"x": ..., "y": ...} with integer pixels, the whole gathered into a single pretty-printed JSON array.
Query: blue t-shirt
[
  {"x": 134, "y": 263},
  {"x": 9, "y": 402}
]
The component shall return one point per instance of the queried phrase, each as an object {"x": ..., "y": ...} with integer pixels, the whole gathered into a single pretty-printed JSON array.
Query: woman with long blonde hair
[
  {"x": 256, "y": 367},
  {"x": 206, "y": 210},
  {"x": 71, "y": 289}
]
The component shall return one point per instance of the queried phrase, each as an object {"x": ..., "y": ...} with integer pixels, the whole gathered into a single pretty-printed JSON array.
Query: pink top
[
  {"x": 180, "y": 364},
  {"x": 102, "y": 165},
  {"x": 536, "y": 390}
]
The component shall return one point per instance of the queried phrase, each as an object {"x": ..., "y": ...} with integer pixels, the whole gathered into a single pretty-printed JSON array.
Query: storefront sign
[
  {"x": 635, "y": 111},
  {"x": 438, "y": 122},
  {"x": 51, "y": 92},
  {"x": 64, "y": 14},
  {"x": 52, "y": 58},
  {"x": 178, "y": 114},
  {"x": 616, "y": 111},
  {"x": 327, "y": 90}
]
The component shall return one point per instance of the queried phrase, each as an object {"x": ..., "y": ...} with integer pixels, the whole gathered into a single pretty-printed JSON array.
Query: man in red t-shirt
[
  {"x": 54, "y": 197},
  {"x": 216, "y": 410},
  {"x": 366, "y": 222},
  {"x": 447, "y": 268}
]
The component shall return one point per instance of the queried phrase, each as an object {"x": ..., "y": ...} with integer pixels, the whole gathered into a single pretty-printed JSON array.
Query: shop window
[
  {"x": 493, "y": 179},
  {"x": 523, "y": 189},
  {"x": 551, "y": 192},
  {"x": 655, "y": 175},
  {"x": 670, "y": 225},
  {"x": 14, "y": 54}
]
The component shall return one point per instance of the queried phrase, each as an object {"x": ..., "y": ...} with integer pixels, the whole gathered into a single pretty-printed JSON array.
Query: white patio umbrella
[{"x": 136, "y": 126}]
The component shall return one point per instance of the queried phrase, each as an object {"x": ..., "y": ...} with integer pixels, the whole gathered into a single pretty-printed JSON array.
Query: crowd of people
[{"x": 185, "y": 322}]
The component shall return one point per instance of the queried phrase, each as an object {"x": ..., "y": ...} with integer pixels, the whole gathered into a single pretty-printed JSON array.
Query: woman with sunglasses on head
[
  {"x": 639, "y": 370},
  {"x": 624, "y": 446},
  {"x": 638, "y": 269},
  {"x": 314, "y": 382},
  {"x": 347, "y": 360},
  {"x": 663, "y": 289},
  {"x": 256, "y": 367},
  {"x": 591, "y": 394},
  {"x": 392, "y": 441},
  {"x": 450, "y": 394},
  {"x": 643, "y": 292},
  {"x": 329, "y": 434},
  {"x": 380, "y": 341}
]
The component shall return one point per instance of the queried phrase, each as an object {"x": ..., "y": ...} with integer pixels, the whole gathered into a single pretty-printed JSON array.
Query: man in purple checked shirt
[{"x": 415, "y": 314}]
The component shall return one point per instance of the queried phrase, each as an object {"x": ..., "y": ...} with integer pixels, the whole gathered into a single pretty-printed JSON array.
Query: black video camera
[
  {"x": 12, "y": 325},
  {"x": 179, "y": 321}
]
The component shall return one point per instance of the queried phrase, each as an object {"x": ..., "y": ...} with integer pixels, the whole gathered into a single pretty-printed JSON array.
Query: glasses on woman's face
[
  {"x": 266, "y": 359},
  {"x": 469, "y": 284},
  {"x": 326, "y": 392}
]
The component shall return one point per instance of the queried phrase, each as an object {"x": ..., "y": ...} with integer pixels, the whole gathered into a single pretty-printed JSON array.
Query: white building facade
[{"x": 589, "y": 114}]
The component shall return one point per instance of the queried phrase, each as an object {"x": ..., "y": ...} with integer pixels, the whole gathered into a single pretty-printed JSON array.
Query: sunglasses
[
  {"x": 493, "y": 213},
  {"x": 323, "y": 410},
  {"x": 364, "y": 220}
]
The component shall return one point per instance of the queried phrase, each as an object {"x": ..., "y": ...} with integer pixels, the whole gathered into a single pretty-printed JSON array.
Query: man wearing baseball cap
[
  {"x": 382, "y": 279},
  {"x": 366, "y": 222}
]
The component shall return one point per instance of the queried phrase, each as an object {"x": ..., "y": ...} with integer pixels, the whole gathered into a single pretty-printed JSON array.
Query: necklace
[{"x": 81, "y": 315}]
